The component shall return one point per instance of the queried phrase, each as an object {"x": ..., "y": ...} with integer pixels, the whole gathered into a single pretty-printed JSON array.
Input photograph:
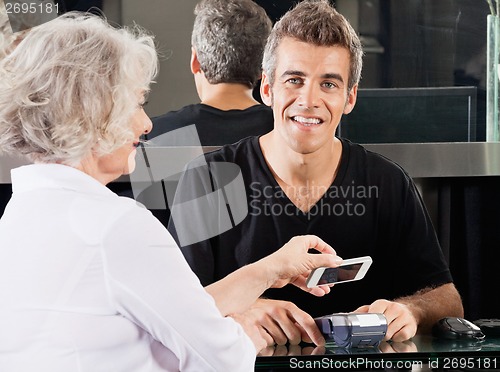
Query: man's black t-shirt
[
  {"x": 216, "y": 127},
  {"x": 371, "y": 209}
]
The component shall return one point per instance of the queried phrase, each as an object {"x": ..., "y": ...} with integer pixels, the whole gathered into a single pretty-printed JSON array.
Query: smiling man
[{"x": 301, "y": 179}]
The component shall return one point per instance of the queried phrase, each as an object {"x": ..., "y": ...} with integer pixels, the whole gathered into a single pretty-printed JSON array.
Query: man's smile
[{"x": 307, "y": 121}]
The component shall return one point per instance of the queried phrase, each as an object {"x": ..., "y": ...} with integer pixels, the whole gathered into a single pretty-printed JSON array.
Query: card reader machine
[{"x": 352, "y": 329}]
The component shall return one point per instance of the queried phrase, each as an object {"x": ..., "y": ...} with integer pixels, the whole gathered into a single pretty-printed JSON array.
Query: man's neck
[
  {"x": 226, "y": 96},
  {"x": 303, "y": 177},
  {"x": 299, "y": 169}
]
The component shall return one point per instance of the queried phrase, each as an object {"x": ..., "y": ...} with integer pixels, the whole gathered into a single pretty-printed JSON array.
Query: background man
[{"x": 228, "y": 41}]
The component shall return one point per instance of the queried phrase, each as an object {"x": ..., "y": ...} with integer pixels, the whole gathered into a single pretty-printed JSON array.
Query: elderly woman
[{"x": 90, "y": 281}]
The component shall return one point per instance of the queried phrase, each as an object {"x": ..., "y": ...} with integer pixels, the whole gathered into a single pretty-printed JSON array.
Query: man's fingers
[
  {"x": 268, "y": 351},
  {"x": 314, "y": 335},
  {"x": 404, "y": 346},
  {"x": 362, "y": 309},
  {"x": 309, "y": 329},
  {"x": 269, "y": 328},
  {"x": 275, "y": 333},
  {"x": 319, "y": 350},
  {"x": 404, "y": 333},
  {"x": 285, "y": 322},
  {"x": 305, "y": 337},
  {"x": 267, "y": 337},
  {"x": 292, "y": 332},
  {"x": 280, "y": 350},
  {"x": 401, "y": 324}
]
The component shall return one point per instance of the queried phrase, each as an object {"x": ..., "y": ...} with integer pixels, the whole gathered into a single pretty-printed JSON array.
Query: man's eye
[
  {"x": 329, "y": 85},
  {"x": 294, "y": 81},
  {"x": 141, "y": 105}
]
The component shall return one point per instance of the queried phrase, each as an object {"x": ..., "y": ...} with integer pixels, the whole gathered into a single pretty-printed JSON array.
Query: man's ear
[
  {"x": 195, "y": 64},
  {"x": 265, "y": 90},
  {"x": 351, "y": 99}
]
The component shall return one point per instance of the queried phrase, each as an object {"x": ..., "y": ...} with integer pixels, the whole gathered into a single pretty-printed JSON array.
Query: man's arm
[
  {"x": 282, "y": 322},
  {"x": 418, "y": 312},
  {"x": 430, "y": 305}
]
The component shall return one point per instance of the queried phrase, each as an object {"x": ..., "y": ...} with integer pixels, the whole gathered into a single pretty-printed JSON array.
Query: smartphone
[{"x": 350, "y": 270}]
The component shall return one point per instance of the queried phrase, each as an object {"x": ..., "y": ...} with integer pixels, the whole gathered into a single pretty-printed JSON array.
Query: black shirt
[
  {"x": 216, "y": 127},
  {"x": 371, "y": 209}
]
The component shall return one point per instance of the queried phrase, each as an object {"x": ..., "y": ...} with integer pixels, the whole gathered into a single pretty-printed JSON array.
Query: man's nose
[{"x": 310, "y": 97}]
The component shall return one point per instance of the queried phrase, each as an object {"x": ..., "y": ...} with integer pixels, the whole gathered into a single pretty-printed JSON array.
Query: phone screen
[{"x": 339, "y": 274}]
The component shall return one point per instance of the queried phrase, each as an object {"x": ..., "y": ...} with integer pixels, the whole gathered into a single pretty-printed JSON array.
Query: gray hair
[
  {"x": 229, "y": 38},
  {"x": 317, "y": 23},
  {"x": 70, "y": 88}
]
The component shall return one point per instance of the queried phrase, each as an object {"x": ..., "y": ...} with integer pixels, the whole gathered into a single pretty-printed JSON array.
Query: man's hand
[
  {"x": 419, "y": 310},
  {"x": 282, "y": 322},
  {"x": 252, "y": 330},
  {"x": 292, "y": 350},
  {"x": 407, "y": 346},
  {"x": 401, "y": 324}
]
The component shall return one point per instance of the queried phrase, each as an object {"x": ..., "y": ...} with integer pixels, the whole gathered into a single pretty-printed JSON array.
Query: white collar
[{"x": 43, "y": 176}]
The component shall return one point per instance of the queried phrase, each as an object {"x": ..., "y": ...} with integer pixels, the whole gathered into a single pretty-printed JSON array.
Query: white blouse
[{"x": 90, "y": 281}]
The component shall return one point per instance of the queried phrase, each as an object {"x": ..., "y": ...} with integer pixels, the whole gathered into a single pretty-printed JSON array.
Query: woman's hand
[{"x": 292, "y": 263}]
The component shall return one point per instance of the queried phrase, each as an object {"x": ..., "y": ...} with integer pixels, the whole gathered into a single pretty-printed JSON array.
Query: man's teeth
[{"x": 306, "y": 121}]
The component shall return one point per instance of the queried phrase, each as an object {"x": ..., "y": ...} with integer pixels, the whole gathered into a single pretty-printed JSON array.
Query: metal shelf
[{"x": 420, "y": 160}]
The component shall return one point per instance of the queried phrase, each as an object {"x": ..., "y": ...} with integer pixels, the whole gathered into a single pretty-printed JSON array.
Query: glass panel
[{"x": 408, "y": 44}]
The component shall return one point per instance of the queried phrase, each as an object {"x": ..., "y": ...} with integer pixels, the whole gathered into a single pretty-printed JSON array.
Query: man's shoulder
[
  {"x": 260, "y": 108},
  {"x": 239, "y": 152},
  {"x": 178, "y": 118},
  {"x": 371, "y": 161},
  {"x": 173, "y": 120},
  {"x": 193, "y": 112},
  {"x": 215, "y": 126}
]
